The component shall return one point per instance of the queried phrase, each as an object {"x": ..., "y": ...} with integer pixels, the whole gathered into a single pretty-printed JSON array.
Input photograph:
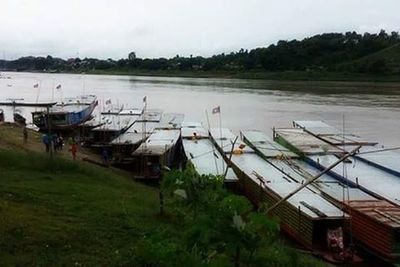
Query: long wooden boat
[
  {"x": 128, "y": 141},
  {"x": 372, "y": 193},
  {"x": 160, "y": 150},
  {"x": 203, "y": 155},
  {"x": 375, "y": 223},
  {"x": 360, "y": 173},
  {"x": 306, "y": 217},
  {"x": 67, "y": 114},
  {"x": 113, "y": 123}
]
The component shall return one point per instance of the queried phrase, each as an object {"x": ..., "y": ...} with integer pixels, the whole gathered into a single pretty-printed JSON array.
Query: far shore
[{"x": 255, "y": 75}]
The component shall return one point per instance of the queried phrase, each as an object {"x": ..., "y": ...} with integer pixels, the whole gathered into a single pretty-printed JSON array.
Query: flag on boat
[
  {"x": 58, "y": 87},
  {"x": 108, "y": 102},
  {"x": 216, "y": 110},
  {"x": 145, "y": 99},
  {"x": 36, "y": 85}
]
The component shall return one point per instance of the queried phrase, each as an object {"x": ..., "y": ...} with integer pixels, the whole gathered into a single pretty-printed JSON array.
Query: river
[{"x": 371, "y": 110}]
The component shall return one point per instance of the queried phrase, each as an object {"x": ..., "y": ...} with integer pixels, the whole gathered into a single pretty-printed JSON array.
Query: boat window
[{"x": 58, "y": 117}]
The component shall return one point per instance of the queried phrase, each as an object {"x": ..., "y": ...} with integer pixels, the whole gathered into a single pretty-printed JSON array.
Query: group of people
[{"x": 55, "y": 141}]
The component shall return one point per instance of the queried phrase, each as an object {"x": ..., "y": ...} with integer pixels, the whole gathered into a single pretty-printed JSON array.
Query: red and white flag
[
  {"x": 216, "y": 110},
  {"x": 58, "y": 87},
  {"x": 36, "y": 85}
]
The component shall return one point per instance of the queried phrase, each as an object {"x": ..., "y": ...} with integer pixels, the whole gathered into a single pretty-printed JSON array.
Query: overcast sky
[{"x": 164, "y": 28}]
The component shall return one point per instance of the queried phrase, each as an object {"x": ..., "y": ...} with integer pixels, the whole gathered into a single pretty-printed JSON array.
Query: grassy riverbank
[{"x": 59, "y": 212}]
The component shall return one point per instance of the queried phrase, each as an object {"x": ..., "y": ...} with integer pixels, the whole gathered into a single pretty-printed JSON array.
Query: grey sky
[{"x": 164, "y": 28}]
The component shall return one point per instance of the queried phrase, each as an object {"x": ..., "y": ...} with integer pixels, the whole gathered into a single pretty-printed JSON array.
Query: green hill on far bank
[
  {"x": 383, "y": 61},
  {"x": 346, "y": 56}
]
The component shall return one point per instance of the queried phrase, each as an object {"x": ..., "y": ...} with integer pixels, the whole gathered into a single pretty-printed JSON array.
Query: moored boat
[
  {"x": 369, "y": 194},
  {"x": 306, "y": 217},
  {"x": 150, "y": 120},
  {"x": 203, "y": 155},
  {"x": 360, "y": 173},
  {"x": 112, "y": 124},
  {"x": 160, "y": 150},
  {"x": 67, "y": 114}
]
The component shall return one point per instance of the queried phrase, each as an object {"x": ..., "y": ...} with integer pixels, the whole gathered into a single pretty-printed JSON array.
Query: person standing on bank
[
  {"x": 46, "y": 142},
  {"x": 25, "y": 134},
  {"x": 73, "y": 147}
]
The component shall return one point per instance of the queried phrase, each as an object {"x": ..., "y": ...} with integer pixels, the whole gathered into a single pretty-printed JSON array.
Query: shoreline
[{"x": 322, "y": 76}]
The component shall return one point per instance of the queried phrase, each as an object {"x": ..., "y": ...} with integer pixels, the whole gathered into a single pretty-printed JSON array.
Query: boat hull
[{"x": 70, "y": 119}]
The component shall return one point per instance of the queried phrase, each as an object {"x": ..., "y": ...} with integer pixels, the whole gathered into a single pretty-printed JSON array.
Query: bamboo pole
[
  {"x": 351, "y": 153},
  {"x": 213, "y": 150},
  {"x": 230, "y": 157}
]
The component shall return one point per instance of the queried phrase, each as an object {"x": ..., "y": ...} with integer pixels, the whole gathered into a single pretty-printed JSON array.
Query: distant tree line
[{"x": 322, "y": 52}]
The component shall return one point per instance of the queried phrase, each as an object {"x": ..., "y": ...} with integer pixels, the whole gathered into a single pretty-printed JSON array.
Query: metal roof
[
  {"x": 131, "y": 111},
  {"x": 386, "y": 159},
  {"x": 317, "y": 127},
  {"x": 191, "y": 124},
  {"x": 222, "y": 133},
  {"x": 82, "y": 99},
  {"x": 140, "y": 127},
  {"x": 128, "y": 138},
  {"x": 301, "y": 171},
  {"x": 261, "y": 171},
  {"x": 171, "y": 121},
  {"x": 368, "y": 177},
  {"x": 265, "y": 146},
  {"x": 151, "y": 115},
  {"x": 116, "y": 122},
  {"x": 158, "y": 143},
  {"x": 379, "y": 210},
  {"x": 71, "y": 108},
  {"x": 205, "y": 158},
  {"x": 330, "y": 134},
  {"x": 224, "y": 138},
  {"x": 305, "y": 142}
]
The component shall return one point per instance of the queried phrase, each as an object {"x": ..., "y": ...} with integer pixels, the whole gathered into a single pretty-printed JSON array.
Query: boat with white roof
[{"x": 67, "y": 114}]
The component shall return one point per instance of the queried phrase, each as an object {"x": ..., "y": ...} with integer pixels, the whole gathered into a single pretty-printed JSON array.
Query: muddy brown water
[{"x": 371, "y": 110}]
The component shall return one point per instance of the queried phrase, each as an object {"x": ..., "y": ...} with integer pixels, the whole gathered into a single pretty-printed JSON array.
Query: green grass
[
  {"x": 63, "y": 213},
  {"x": 57, "y": 212}
]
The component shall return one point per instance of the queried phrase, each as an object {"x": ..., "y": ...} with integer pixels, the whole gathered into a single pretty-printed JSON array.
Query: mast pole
[
  {"x": 220, "y": 133},
  {"x": 209, "y": 128}
]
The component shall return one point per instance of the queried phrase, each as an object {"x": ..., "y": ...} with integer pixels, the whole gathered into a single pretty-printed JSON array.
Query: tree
[
  {"x": 132, "y": 56},
  {"x": 221, "y": 223}
]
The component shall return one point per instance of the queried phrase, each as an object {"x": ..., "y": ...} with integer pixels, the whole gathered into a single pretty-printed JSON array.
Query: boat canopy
[
  {"x": 265, "y": 146},
  {"x": 158, "y": 143}
]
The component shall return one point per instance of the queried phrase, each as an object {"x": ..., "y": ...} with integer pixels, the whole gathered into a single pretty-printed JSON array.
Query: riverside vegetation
[
  {"x": 54, "y": 211},
  {"x": 329, "y": 56}
]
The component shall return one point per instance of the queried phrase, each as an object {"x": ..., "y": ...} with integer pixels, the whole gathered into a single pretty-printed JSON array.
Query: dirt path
[{"x": 11, "y": 137}]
